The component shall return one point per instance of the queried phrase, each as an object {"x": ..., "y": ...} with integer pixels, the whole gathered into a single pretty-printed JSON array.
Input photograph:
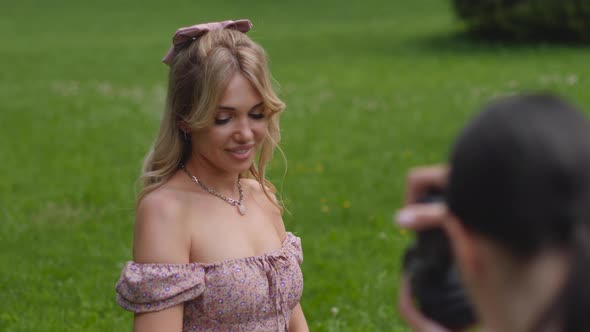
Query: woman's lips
[{"x": 241, "y": 152}]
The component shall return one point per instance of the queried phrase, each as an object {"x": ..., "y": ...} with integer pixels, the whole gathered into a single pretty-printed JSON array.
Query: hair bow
[{"x": 183, "y": 35}]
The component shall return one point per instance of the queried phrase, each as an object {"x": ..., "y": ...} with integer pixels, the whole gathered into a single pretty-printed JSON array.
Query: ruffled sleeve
[
  {"x": 293, "y": 246},
  {"x": 153, "y": 287}
]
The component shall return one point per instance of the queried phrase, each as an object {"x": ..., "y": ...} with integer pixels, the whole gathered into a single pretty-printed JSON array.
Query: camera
[{"x": 433, "y": 276}]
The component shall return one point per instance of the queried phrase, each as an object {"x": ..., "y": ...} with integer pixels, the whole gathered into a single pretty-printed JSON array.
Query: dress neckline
[{"x": 272, "y": 253}]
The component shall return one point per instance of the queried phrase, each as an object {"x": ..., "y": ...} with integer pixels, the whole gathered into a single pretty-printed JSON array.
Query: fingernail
[{"x": 405, "y": 217}]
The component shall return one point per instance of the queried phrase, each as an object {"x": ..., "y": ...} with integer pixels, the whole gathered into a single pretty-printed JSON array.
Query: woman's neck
[
  {"x": 523, "y": 291},
  {"x": 212, "y": 177}
]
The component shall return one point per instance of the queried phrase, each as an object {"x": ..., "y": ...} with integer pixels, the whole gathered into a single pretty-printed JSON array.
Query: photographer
[{"x": 516, "y": 214}]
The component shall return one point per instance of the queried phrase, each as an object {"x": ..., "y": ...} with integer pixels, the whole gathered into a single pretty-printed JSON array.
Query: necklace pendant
[{"x": 242, "y": 209}]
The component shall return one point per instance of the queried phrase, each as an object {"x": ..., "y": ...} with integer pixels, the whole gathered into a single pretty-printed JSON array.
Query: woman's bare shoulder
[
  {"x": 251, "y": 183},
  {"x": 260, "y": 192},
  {"x": 256, "y": 187},
  {"x": 160, "y": 233},
  {"x": 268, "y": 201}
]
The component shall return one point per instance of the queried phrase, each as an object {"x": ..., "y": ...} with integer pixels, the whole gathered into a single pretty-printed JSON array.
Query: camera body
[{"x": 434, "y": 278}]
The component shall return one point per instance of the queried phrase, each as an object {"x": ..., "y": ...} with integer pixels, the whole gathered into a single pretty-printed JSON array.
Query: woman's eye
[
  {"x": 221, "y": 121},
  {"x": 257, "y": 116}
]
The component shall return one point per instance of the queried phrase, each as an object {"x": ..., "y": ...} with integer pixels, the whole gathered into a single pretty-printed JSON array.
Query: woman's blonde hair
[{"x": 199, "y": 74}]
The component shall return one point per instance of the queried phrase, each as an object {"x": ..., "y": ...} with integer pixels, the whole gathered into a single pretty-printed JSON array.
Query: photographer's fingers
[
  {"x": 416, "y": 321},
  {"x": 421, "y": 216},
  {"x": 421, "y": 179}
]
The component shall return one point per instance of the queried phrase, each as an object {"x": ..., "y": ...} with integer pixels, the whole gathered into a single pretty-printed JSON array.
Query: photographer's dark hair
[{"x": 520, "y": 175}]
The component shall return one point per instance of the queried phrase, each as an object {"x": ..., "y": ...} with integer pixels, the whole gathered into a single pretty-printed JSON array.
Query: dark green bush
[{"x": 537, "y": 20}]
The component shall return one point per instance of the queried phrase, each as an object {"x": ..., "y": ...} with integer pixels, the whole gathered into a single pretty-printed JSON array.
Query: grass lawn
[{"x": 372, "y": 88}]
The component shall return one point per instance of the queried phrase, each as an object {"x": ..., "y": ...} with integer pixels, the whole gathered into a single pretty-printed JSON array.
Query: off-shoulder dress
[{"x": 245, "y": 294}]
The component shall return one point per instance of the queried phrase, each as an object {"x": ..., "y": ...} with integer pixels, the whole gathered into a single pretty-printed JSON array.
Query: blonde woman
[{"x": 210, "y": 249}]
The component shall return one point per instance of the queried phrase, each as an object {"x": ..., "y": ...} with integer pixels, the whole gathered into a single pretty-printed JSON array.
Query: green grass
[{"x": 372, "y": 89}]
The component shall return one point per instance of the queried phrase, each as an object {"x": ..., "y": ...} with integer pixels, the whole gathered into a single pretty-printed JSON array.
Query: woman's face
[{"x": 240, "y": 125}]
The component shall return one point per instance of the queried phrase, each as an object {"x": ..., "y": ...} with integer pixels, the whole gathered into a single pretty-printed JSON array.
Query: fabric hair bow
[{"x": 183, "y": 35}]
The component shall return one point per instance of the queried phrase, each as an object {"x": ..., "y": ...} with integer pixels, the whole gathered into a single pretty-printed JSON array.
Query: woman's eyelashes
[
  {"x": 221, "y": 120},
  {"x": 257, "y": 116}
]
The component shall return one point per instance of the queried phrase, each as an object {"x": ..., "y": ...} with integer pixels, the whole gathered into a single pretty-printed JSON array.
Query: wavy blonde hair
[{"x": 199, "y": 74}]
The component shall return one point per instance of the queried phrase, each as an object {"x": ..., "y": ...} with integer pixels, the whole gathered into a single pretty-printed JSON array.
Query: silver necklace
[{"x": 237, "y": 203}]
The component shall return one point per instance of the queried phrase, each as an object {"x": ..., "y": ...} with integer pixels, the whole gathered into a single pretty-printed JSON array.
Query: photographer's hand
[
  {"x": 415, "y": 319},
  {"x": 418, "y": 216}
]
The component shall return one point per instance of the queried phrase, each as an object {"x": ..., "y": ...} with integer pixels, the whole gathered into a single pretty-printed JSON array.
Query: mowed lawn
[{"x": 372, "y": 88}]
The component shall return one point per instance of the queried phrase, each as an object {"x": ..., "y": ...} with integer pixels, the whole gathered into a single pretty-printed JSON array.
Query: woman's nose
[{"x": 244, "y": 132}]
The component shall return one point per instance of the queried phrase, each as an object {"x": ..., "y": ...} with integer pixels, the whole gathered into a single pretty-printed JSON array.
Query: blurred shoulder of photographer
[{"x": 516, "y": 214}]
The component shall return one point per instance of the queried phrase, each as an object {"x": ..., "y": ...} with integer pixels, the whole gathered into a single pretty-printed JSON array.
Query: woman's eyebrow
[{"x": 229, "y": 108}]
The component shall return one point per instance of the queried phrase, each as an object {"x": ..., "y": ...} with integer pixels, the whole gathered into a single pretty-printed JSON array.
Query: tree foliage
[{"x": 538, "y": 20}]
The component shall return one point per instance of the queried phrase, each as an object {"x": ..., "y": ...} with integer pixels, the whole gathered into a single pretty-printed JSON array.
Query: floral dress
[{"x": 245, "y": 294}]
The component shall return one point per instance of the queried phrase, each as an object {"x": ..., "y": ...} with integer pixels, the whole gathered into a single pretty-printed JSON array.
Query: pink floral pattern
[{"x": 245, "y": 294}]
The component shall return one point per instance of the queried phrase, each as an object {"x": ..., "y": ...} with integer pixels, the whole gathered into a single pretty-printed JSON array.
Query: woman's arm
[
  {"x": 160, "y": 238},
  {"x": 298, "y": 322},
  {"x": 160, "y": 321}
]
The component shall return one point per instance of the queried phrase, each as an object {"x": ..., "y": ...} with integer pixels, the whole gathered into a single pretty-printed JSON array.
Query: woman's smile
[{"x": 242, "y": 152}]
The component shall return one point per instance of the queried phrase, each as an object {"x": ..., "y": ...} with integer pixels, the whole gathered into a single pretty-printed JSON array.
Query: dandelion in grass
[
  {"x": 325, "y": 209},
  {"x": 299, "y": 167},
  {"x": 571, "y": 79},
  {"x": 334, "y": 311},
  {"x": 319, "y": 168},
  {"x": 512, "y": 84},
  {"x": 105, "y": 89},
  {"x": 346, "y": 204},
  {"x": 407, "y": 154}
]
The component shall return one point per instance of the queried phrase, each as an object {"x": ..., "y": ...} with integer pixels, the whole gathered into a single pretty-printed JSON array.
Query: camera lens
[{"x": 434, "y": 280}]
